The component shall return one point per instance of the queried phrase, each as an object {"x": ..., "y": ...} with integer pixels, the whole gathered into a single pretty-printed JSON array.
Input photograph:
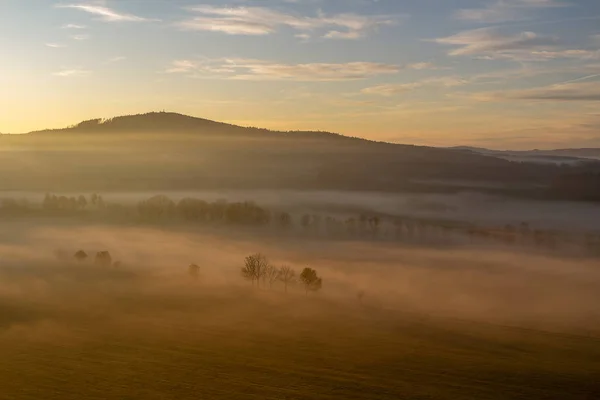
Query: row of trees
[
  {"x": 196, "y": 210},
  {"x": 407, "y": 229},
  {"x": 364, "y": 225},
  {"x": 257, "y": 269},
  {"x": 102, "y": 258},
  {"x": 54, "y": 202}
]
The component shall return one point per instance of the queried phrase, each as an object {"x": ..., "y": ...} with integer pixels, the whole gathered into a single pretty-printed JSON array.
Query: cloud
[
  {"x": 73, "y": 26},
  {"x": 573, "y": 91},
  {"x": 490, "y": 43},
  {"x": 104, "y": 13},
  {"x": 55, "y": 45},
  {"x": 578, "y": 90},
  {"x": 265, "y": 21},
  {"x": 80, "y": 37},
  {"x": 422, "y": 65},
  {"x": 395, "y": 89},
  {"x": 72, "y": 72},
  {"x": 249, "y": 69},
  {"x": 506, "y": 10}
]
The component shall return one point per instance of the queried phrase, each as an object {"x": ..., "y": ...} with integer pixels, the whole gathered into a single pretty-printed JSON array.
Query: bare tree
[
  {"x": 254, "y": 268},
  {"x": 271, "y": 275},
  {"x": 286, "y": 275},
  {"x": 311, "y": 280}
]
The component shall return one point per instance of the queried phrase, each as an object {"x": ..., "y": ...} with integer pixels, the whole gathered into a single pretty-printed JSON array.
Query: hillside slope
[{"x": 168, "y": 151}]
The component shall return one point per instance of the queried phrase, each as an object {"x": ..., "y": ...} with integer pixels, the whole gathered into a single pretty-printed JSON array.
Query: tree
[
  {"x": 254, "y": 268},
  {"x": 194, "y": 271},
  {"x": 156, "y": 207},
  {"x": 103, "y": 258},
  {"x": 81, "y": 202},
  {"x": 81, "y": 255},
  {"x": 271, "y": 275},
  {"x": 100, "y": 203},
  {"x": 285, "y": 220},
  {"x": 286, "y": 275},
  {"x": 311, "y": 280},
  {"x": 305, "y": 221}
]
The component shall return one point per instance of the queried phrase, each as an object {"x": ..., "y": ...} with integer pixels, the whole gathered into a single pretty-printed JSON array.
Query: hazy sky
[{"x": 495, "y": 73}]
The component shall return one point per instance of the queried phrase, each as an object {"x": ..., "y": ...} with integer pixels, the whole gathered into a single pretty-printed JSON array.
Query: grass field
[
  {"x": 116, "y": 335},
  {"x": 434, "y": 324}
]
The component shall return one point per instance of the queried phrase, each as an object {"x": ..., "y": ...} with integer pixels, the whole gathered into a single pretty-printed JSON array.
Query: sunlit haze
[{"x": 515, "y": 74}]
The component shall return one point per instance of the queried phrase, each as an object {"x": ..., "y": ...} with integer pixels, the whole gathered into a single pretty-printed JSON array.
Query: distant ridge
[
  {"x": 171, "y": 151},
  {"x": 163, "y": 122},
  {"x": 538, "y": 156}
]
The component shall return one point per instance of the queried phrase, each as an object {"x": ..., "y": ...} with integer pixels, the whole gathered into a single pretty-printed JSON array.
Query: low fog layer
[
  {"x": 468, "y": 206},
  {"x": 495, "y": 287}
]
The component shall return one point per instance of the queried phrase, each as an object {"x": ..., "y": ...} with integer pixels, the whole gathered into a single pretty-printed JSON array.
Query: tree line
[
  {"x": 370, "y": 226},
  {"x": 257, "y": 269}
]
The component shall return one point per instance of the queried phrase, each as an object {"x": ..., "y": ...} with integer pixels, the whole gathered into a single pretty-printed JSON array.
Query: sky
[{"x": 504, "y": 74}]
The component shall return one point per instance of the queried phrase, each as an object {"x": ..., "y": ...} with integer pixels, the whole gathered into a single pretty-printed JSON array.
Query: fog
[
  {"x": 507, "y": 288},
  {"x": 467, "y": 206}
]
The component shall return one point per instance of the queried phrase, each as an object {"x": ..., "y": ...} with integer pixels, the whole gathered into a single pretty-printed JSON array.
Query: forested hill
[
  {"x": 166, "y": 125},
  {"x": 168, "y": 151},
  {"x": 167, "y": 122}
]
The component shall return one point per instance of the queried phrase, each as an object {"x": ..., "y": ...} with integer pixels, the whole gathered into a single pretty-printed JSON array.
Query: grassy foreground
[{"x": 121, "y": 337}]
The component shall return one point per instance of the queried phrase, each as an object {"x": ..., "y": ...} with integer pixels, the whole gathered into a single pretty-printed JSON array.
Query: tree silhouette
[
  {"x": 311, "y": 280},
  {"x": 271, "y": 275},
  {"x": 103, "y": 258},
  {"x": 285, "y": 220},
  {"x": 194, "y": 271},
  {"x": 156, "y": 207},
  {"x": 81, "y": 202},
  {"x": 81, "y": 255},
  {"x": 286, "y": 275},
  {"x": 254, "y": 268},
  {"x": 305, "y": 221}
]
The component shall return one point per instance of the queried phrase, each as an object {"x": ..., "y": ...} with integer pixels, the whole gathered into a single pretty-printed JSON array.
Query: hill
[
  {"x": 556, "y": 156},
  {"x": 168, "y": 151}
]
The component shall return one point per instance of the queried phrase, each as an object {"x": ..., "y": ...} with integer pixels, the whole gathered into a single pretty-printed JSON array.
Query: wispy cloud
[
  {"x": 73, "y": 26},
  {"x": 264, "y": 21},
  {"x": 249, "y": 69},
  {"x": 578, "y": 90},
  {"x": 80, "y": 37},
  {"x": 491, "y": 43},
  {"x": 72, "y": 73},
  {"x": 395, "y": 89},
  {"x": 574, "y": 91},
  {"x": 55, "y": 45},
  {"x": 507, "y": 10},
  {"x": 105, "y": 13}
]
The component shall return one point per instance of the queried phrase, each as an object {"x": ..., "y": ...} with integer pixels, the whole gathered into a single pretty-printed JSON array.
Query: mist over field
[
  {"x": 395, "y": 315},
  {"x": 480, "y": 284},
  {"x": 136, "y": 262},
  {"x": 299, "y": 200}
]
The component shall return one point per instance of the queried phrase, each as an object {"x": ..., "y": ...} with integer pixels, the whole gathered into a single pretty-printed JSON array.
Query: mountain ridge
[
  {"x": 182, "y": 123},
  {"x": 171, "y": 151}
]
